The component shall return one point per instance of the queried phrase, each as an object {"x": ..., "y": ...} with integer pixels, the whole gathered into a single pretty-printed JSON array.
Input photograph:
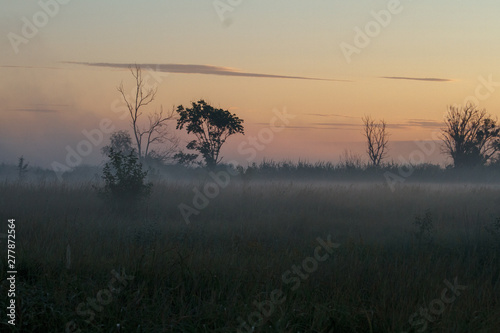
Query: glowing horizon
[{"x": 328, "y": 64}]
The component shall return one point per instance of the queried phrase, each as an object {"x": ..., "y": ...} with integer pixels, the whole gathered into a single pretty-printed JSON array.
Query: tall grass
[
  {"x": 203, "y": 276},
  {"x": 348, "y": 169}
]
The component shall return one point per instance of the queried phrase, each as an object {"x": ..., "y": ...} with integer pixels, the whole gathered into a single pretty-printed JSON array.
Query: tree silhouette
[
  {"x": 22, "y": 168},
  {"x": 377, "y": 140},
  {"x": 156, "y": 131},
  {"x": 120, "y": 141},
  {"x": 125, "y": 181},
  {"x": 211, "y": 127},
  {"x": 471, "y": 137}
]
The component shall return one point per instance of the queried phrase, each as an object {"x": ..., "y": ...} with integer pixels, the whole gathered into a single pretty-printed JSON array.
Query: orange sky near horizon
[{"x": 46, "y": 101}]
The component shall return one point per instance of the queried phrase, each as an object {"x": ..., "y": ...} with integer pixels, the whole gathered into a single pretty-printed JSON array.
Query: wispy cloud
[
  {"x": 36, "y": 110},
  {"x": 330, "y": 115},
  {"x": 325, "y": 126},
  {"x": 430, "y": 79},
  {"x": 28, "y": 67},
  {"x": 219, "y": 70},
  {"x": 351, "y": 126},
  {"x": 425, "y": 123},
  {"x": 420, "y": 123},
  {"x": 40, "y": 108},
  {"x": 337, "y": 124},
  {"x": 202, "y": 69}
]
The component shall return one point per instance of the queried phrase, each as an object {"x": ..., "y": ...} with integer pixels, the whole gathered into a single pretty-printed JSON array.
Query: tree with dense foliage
[
  {"x": 211, "y": 126},
  {"x": 120, "y": 141},
  {"x": 471, "y": 136},
  {"x": 125, "y": 181},
  {"x": 186, "y": 159}
]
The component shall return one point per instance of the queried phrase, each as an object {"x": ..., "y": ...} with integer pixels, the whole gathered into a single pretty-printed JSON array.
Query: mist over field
[
  {"x": 249, "y": 166},
  {"x": 260, "y": 250}
]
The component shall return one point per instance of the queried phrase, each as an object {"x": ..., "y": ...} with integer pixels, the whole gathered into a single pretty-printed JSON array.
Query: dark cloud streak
[
  {"x": 218, "y": 70},
  {"x": 36, "y": 110},
  {"x": 28, "y": 67},
  {"x": 201, "y": 69},
  {"x": 330, "y": 115},
  {"x": 422, "y": 123},
  {"x": 429, "y": 79}
]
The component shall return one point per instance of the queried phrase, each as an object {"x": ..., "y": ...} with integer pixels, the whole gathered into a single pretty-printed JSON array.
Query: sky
[{"x": 326, "y": 63}]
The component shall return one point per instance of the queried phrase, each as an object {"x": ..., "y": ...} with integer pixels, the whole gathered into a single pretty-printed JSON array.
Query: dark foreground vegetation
[
  {"x": 421, "y": 258},
  {"x": 351, "y": 170}
]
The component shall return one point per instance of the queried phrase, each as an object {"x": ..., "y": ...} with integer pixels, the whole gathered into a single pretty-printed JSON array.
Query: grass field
[{"x": 421, "y": 258}]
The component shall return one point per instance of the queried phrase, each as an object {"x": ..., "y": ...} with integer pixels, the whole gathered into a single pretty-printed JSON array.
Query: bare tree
[
  {"x": 156, "y": 131},
  {"x": 471, "y": 137},
  {"x": 377, "y": 139}
]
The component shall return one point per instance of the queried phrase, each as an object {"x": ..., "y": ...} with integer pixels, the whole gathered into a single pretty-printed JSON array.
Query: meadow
[{"x": 262, "y": 256}]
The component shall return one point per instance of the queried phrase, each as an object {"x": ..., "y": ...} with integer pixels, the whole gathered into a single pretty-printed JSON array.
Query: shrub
[
  {"x": 425, "y": 228},
  {"x": 124, "y": 179},
  {"x": 22, "y": 168}
]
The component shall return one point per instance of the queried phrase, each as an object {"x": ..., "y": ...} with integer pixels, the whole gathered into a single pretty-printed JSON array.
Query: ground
[{"x": 264, "y": 256}]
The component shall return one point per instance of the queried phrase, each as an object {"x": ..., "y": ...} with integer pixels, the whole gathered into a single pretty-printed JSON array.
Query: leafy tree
[
  {"x": 211, "y": 127},
  {"x": 120, "y": 141},
  {"x": 124, "y": 179},
  {"x": 471, "y": 136},
  {"x": 185, "y": 159},
  {"x": 377, "y": 140}
]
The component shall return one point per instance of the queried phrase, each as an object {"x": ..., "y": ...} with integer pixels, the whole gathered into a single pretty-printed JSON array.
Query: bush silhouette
[
  {"x": 425, "y": 228},
  {"x": 124, "y": 179}
]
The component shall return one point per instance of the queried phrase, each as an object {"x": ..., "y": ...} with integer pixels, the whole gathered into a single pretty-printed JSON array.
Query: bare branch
[
  {"x": 470, "y": 136},
  {"x": 377, "y": 140},
  {"x": 156, "y": 131}
]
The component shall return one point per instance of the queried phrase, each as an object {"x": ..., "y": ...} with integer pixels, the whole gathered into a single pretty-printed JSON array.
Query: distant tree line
[{"x": 470, "y": 137}]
